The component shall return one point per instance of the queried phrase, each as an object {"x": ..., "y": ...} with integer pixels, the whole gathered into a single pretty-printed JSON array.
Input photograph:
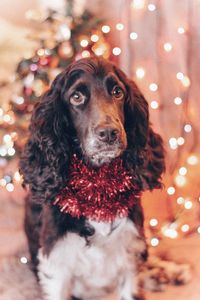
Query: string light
[
  {"x": 140, "y": 72},
  {"x": 10, "y": 187},
  {"x": 181, "y": 30},
  {"x": 154, "y": 242},
  {"x": 183, "y": 171},
  {"x": 105, "y": 29},
  {"x": 180, "y": 200},
  {"x": 198, "y": 229},
  {"x": 180, "y": 141},
  {"x": 153, "y": 222},
  {"x": 119, "y": 26},
  {"x": 85, "y": 53},
  {"x": 23, "y": 260},
  {"x": 170, "y": 231},
  {"x": 192, "y": 160},
  {"x": 173, "y": 143},
  {"x": 153, "y": 87},
  {"x": 154, "y": 104},
  {"x": 151, "y": 7},
  {"x": 188, "y": 204},
  {"x": 180, "y": 180},
  {"x": 138, "y": 4},
  {"x": 171, "y": 190},
  {"x": 94, "y": 38},
  {"x": 116, "y": 51},
  {"x": 17, "y": 176},
  {"x": 178, "y": 101},
  {"x": 185, "y": 81},
  {"x": 187, "y": 128},
  {"x": 179, "y": 76},
  {"x": 133, "y": 36},
  {"x": 84, "y": 43},
  {"x": 185, "y": 228},
  {"x": 167, "y": 47}
]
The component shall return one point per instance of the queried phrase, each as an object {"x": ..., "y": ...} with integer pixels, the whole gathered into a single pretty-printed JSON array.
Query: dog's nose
[{"x": 107, "y": 134}]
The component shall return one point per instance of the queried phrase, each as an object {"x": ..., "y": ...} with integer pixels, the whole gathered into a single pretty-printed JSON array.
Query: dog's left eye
[
  {"x": 117, "y": 92},
  {"x": 77, "y": 98}
]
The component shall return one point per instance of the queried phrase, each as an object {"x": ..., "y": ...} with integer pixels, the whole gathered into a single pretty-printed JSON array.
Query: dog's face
[{"x": 95, "y": 98}]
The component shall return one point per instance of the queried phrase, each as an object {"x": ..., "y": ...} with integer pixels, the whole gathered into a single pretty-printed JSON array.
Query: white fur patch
[{"x": 95, "y": 269}]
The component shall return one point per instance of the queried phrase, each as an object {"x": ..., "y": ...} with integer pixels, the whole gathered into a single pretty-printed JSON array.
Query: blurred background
[{"x": 156, "y": 42}]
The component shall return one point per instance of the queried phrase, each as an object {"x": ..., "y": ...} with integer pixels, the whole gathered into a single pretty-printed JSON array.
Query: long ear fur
[
  {"x": 145, "y": 153},
  {"x": 45, "y": 158}
]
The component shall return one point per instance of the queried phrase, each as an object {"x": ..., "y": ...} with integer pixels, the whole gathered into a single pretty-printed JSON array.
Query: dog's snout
[{"x": 107, "y": 134}]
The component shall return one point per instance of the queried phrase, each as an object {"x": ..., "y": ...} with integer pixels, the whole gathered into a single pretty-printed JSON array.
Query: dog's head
[{"x": 92, "y": 108}]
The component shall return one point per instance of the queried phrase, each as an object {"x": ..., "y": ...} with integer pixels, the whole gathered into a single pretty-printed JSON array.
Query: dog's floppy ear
[
  {"x": 145, "y": 152},
  {"x": 44, "y": 161}
]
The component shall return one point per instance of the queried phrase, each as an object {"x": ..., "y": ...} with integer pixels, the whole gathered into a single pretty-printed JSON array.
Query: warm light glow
[
  {"x": 3, "y": 182},
  {"x": 173, "y": 143},
  {"x": 185, "y": 228},
  {"x": 188, "y": 204},
  {"x": 138, "y": 4},
  {"x": 133, "y": 35},
  {"x": 180, "y": 180},
  {"x": 17, "y": 176},
  {"x": 120, "y": 26},
  {"x": 188, "y": 128},
  {"x": 185, "y": 81},
  {"x": 181, "y": 30},
  {"x": 84, "y": 43},
  {"x": 153, "y": 87},
  {"x": 180, "y": 141},
  {"x": 192, "y": 160},
  {"x": 94, "y": 38},
  {"x": 85, "y": 53},
  {"x": 170, "y": 231},
  {"x": 140, "y": 72},
  {"x": 116, "y": 51},
  {"x": 178, "y": 100},
  {"x": 180, "y": 200},
  {"x": 198, "y": 229},
  {"x": 153, "y": 222},
  {"x": 7, "y": 138},
  {"x": 183, "y": 171},
  {"x": 23, "y": 260},
  {"x": 179, "y": 76},
  {"x": 171, "y": 190},
  {"x": 154, "y": 104},
  {"x": 105, "y": 28},
  {"x": 11, "y": 151},
  {"x": 151, "y": 7},
  {"x": 167, "y": 47},
  {"x": 41, "y": 52},
  {"x": 154, "y": 242},
  {"x": 10, "y": 187}
]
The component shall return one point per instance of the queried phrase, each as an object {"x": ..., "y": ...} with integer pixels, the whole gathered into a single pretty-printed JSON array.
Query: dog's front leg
[
  {"x": 54, "y": 279},
  {"x": 128, "y": 289}
]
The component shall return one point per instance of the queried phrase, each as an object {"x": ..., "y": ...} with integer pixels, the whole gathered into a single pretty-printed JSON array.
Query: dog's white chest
[{"x": 94, "y": 267}]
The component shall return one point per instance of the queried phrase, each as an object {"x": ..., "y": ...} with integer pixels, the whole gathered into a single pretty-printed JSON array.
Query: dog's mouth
[{"x": 104, "y": 156}]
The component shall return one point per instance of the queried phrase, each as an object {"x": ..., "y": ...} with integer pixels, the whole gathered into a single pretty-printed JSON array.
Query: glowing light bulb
[
  {"x": 23, "y": 260},
  {"x": 171, "y": 190},
  {"x": 84, "y": 43},
  {"x": 182, "y": 171},
  {"x": 180, "y": 200},
  {"x": 140, "y": 72},
  {"x": 94, "y": 38},
  {"x": 133, "y": 35},
  {"x": 188, "y": 204},
  {"x": 10, "y": 187},
  {"x": 7, "y": 138},
  {"x": 116, "y": 51},
  {"x": 154, "y": 242},
  {"x": 170, "y": 231},
  {"x": 181, "y": 30},
  {"x": 198, "y": 229},
  {"x": 180, "y": 141},
  {"x": 120, "y": 26},
  {"x": 185, "y": 81},
  {"x": 192, "y": 160},
  {"x": 180, "y": 180},
  {"x": 178, "y": 101},
  {"x": 153, "y": 87},
  {"x": 173, "y": 143},
  {"x": 105, "y": 29},
  {"x": 41, "y": 52},
  {"x": 138, "y": 4},
  {"x": 17, "y": 176},
  {"x": 151, "y": 7},
  {"x": 154, "y": 104},
  {"x": 185, "y": 228},
  {"x": 3, "y": 182},
  {"x": 153, "y": 222},
  {"x": 167, "y": 47},
  {"x": 187, "y": 128},
  {"x": 85, "y": 53},
  {"x": 179, "y": 76}
]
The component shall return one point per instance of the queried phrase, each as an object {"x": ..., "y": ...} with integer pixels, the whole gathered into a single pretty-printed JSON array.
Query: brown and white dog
[{"x": 94, "y": 110}]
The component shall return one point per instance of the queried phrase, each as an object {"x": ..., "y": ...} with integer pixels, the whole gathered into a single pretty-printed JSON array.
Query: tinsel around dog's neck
[{"x": 101, "y": 194}]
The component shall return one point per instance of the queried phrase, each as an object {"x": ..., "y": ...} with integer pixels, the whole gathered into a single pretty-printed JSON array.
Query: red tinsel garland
[{"x": 101, "y": 194}]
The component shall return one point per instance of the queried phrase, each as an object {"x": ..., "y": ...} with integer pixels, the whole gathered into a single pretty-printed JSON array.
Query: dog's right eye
[{"x": 77, "y": 98}]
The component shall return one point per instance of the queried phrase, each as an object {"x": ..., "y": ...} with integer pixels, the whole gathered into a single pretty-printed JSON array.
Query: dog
[{"x": 91, "y": 109}]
